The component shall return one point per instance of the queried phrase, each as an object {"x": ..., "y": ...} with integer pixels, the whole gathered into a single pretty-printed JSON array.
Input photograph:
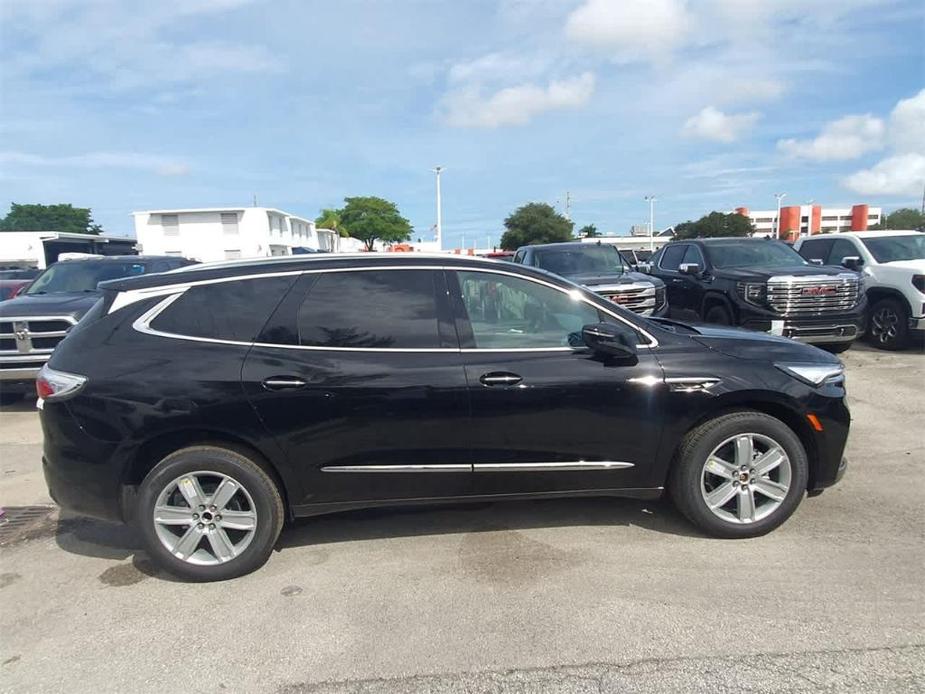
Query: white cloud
[
  {"x": 469, "y": 108},
  {"x": 750, "y": 90},
  {"x": 907, "y": 124},
  {"x": 902, "y": 174},
  {"x": 845, "y": 138},
  {"x": 162, "y": 166},
  {"x": 498, "y": 66},
  {"x": 713, "y": 124},
  {"x": 629, "y": 29}
]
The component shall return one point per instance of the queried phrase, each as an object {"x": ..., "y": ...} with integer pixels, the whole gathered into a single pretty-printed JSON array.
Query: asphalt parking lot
[{"x": 575, "y": 596}]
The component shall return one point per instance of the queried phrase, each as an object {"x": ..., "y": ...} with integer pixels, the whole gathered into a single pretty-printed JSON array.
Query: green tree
[
  {"x": 372, "y": 219},
  {"x": 65, "y": 218},
  {"x": 713, "y": 225},
  {"x": 535, "y": 222},
  {"x": 903, "y": 218},
  {"x": 588, "y": 231},
  {"x": 330, "y": 219}
]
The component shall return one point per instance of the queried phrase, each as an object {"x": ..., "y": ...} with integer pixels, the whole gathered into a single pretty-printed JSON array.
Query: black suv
[
  {"x": 761, "y": 284},
  {"x": 601, "y": 268},
  {"x": 33, "y": 323},
  {"x": 208, "y": 406}
]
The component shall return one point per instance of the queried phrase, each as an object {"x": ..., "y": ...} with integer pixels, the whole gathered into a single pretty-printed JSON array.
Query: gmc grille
[
  {"x": 815, "y": 295},
  {"x": 639, "y": 297}
]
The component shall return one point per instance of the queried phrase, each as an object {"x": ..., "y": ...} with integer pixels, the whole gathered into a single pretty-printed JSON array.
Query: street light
[
  {"x": 437, "y": 171},
  {"x": 651, "y": 199},
  {"x": 779, "y": 196}
]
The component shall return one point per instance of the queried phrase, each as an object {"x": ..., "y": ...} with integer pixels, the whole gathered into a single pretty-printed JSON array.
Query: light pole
[
  {"x": 651, "y": 199},
  {"x": 437, "y": 171},
  {"x": 779, "y": 196}
]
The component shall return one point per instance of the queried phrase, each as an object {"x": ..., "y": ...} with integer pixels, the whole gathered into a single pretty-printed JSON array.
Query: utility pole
[
  {"x": 437, "y": 171},
  {"x": 779, "y": 196},
  {"x": 651, "y": 199}
]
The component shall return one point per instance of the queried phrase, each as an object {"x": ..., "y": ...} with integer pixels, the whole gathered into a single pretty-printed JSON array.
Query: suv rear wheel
[
  {"x": 208, "y": 514},
  {"x": 739, "y": 475}
]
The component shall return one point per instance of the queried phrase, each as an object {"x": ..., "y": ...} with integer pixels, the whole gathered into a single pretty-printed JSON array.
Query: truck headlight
[
  {"x": 814, "y": 374},
  {"x": 753, "y": 293}
]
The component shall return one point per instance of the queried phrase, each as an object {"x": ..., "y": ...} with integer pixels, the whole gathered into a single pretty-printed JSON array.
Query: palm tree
[{"x": 330, "y": 219}]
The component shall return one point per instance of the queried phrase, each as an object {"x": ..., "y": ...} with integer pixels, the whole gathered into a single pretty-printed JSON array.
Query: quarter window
[
  {"x": 511, "y": 313},
  {"x": 234, "y": 310},
  {"x": 371, "y": 309}
]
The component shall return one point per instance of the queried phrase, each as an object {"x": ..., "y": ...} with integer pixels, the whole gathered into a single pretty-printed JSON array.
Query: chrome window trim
[{"x": 173, "y": 291}]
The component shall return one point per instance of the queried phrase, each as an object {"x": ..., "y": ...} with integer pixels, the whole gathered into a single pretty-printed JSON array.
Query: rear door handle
[
  {"x": 500, "y": 378},
  {"x": 283, "y": 383}
]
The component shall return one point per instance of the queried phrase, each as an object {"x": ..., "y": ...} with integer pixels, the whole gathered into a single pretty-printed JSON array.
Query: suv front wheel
[
  {"x": 208, "y": 513},
  {"x": 739, "y": 475}
]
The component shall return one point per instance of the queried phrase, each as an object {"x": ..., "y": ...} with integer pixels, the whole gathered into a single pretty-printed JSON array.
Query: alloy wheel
[
  {"x": 205, "y": 518},
  {"x": 884, "y": 325},
  {"x": 746, "y": 478}
]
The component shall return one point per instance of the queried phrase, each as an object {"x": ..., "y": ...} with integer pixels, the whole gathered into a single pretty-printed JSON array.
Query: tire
[
  {"x": 718, "y": 314},
  {"x": 10, "y": 398},
  {"x": 748, "y": 512},
  {"x": 207, "y": 546},
  {"x": 836, "y": 347},
  {"x": 888, "y": 324}
]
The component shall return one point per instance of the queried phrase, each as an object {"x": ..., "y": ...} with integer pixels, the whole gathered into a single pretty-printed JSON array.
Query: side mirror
[
  {"x": 610, "y": 339},
  {"x": 852, "y": 262},
  {"x": 689, "y": 269}
]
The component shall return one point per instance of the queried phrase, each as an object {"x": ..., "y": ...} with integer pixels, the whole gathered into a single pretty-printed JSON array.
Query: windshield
[
  {"x": 886, "y": 249},
  {"x": 745, "y": 254},
  {"x": 81, "y": 276},
  {"x": 573, "y": 261}
]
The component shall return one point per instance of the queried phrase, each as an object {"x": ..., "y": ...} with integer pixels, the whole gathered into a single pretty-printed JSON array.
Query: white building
[
  {"x": 227, "y": 233},
  {"x": 804, "y": 220}
]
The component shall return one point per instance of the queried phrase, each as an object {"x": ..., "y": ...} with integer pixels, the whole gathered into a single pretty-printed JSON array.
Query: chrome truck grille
[
  {"x": 816, "y": 295},
  {"x": 27, "y": 342},
  {"x": 638, "y": 297}
]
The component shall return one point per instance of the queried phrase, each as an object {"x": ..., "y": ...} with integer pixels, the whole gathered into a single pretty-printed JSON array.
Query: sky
[{"x": 706, "y": 104}]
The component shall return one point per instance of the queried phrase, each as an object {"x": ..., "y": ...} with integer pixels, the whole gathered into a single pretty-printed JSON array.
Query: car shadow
[
  {"x": 22, "y": 405},
  {"x": 93, "y": 538}
]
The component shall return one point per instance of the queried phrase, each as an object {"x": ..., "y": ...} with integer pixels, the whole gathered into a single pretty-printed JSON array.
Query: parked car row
[{"x": 825, "y": 290}]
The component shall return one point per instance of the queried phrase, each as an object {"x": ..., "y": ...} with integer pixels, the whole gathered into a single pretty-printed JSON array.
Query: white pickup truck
[{"x": 893, "y": 266}]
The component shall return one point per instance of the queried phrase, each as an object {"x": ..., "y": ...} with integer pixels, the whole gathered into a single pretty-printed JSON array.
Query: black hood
[
  {"x": 749, "y": 344},
  {"x": 763, "y": 274},
  {"x": 66, "y": 304},
  {"x": 592, "y": 280}
]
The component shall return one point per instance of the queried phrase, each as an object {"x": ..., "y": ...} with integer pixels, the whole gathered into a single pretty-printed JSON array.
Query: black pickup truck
[
  {"x": 761, "y": 284},
  {"x": 33, "y": 323}
]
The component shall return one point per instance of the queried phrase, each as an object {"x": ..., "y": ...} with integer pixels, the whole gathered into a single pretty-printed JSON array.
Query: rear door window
[
  {"x": 371, "y": 309},
  {"x": 230, "y": 311},
  {"x": 816, "y": 250},
  {"x": 672, "y": 257}
]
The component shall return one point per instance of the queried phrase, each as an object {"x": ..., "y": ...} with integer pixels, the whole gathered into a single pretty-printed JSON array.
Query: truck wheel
[
  {"x": 10, "y": 398},
  {"x": 836, "y": 347},
  {"x": 889, "y": 324},
  {"x": 739, "y": 475},
  {"x": 718, "y": 314},
  {"x": 209, "y": 514}
]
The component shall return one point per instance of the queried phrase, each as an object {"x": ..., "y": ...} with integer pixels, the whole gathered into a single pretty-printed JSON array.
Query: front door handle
[
  {"x": 283, "y": 383},
  {"x": 500, "y": 378},
  {"x": 677, "y": 280}
]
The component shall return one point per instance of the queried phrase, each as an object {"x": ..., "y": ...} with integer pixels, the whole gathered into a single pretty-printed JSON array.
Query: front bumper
[
  {"x": 17, "y": 374},
  {"x": 917, "y": 324},
  {"x": 817, "y": 329}
]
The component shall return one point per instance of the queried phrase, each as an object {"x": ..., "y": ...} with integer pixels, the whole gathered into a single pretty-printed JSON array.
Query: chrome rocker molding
[{"x": 575, "y": 466}]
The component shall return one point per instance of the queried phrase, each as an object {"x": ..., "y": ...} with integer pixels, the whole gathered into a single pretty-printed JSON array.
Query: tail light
[{"x": 51, "y": 384}]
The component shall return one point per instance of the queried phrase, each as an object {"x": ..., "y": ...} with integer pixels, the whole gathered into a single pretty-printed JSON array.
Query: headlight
[
  {"x": 815, "y": 374},
  {"x": 752, "y": 293},
  {"x": 659, "y": 297},
  {"x": 918, "y": 281}
]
